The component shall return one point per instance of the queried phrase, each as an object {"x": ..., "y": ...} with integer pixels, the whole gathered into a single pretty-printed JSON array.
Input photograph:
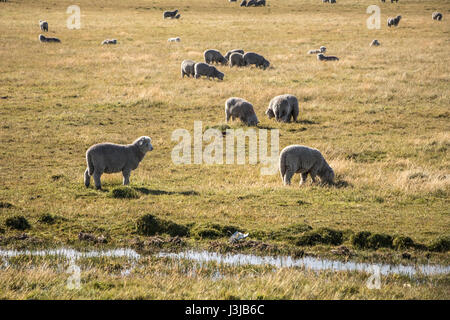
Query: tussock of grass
[
  {"x": 402, "y": 242},
  {"x": 47, "y": 218},
  {"x": 441, "y": 244},
  {"x": 18, "y": 223},
  {"x": 212, "y": 230},
  {"x": 150, "y": 225},
  {"x": 5, "y": 205},
  {"x": 320, "y": 236},
  {"x": 124, "y": 193}
]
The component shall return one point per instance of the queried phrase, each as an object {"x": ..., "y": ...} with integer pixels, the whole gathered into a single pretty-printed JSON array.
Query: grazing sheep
[
  {"x": 228, "y": 54},
  {"x": 251, "y": 3},
  {"x": 322, "y": 49},
  {"x": 232, "y": 0},
  {"x": 43, "y": 38},
  {"x": 44, "y": 25},
  {"x": 213, "y": 55},
  {"x": 243, "y": 3},
  {"x": 170, "y": 14},
  {"x": 256, "y": 59},
  {"x": 304, "y": 160},
  {"x": 237, "y": 59},
  {"x": 177, "y": 39},
  {"x": 393, "y": 21},
  {"x": 109, "y": 41},
  {"x": 437, "y": 16},
  {"x": 323, "y": 57},
  {"x": 187, "y": 68},
  {"x": 260, "y": 3},
  {"x": 375, "y": 43},
  {"x": 238, "y": 108},
  {"x": 283, "y": 107},
  {"x": 110, "y": 158},
  {"x": 203, "y": 69}
]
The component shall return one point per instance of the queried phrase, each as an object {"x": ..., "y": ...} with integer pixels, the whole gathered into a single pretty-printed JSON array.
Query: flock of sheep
[{"x": 111, "y": 158}]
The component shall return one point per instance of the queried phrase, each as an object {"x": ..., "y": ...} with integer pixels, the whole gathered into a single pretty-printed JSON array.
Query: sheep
[
  {"x": 178, "y": 16},
  {"x": 43, "y": 38},
  {"x": 393, "y": 21},
  {"x": 203, "y": 69},
  {"x": 109, "y": 41},
  {"x": 187, "y": 68},
  {"x": 283, "y": 107},
  {"x": 213, "y": 55},
  {"x": 304, "y": 160},
  {"x": 232, "y": 0},
  {"x": 322, "y": 49},
  {"x": 242, "y": 109},
  {"x": 323, "y": 57},
  {"x": 375, "y": 43},
  {"x": 243, "y": 3},
  {"x": 43, "y": 25},
  {"x": 256, "y": 59},
  {"x": 228, "y": 54},
  {"x": 251, "y": 3},
  {"x": 437, "y": 16},
  {"x": 237, "y": 59},
  {"x": 332, "y": 1},
  {"x": 260, "y": 3},
  {"x": 177, "y": 39},
  {"x": 392, "y": 1},
  {"x": 110, "y": 158},
  {"x": 170, "y": 14}
]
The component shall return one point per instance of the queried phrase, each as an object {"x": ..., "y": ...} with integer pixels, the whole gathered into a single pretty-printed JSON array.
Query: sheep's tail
[
  {"x": 90, "y": 164},
  {"x": 282, "y": 164}
]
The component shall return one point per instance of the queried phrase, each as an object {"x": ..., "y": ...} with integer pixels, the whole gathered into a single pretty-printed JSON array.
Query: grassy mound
[
  {"x": 441, "y": 244},
  {"x": 212, "y": 230},
  {"x": 150, "y": 225},
  {"x": 124, "y": 193},
  {"x": 18, "y": 223},
  {"x": 320, "y": 236}
]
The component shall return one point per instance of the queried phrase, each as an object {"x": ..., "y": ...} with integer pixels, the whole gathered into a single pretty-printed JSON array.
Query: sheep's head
[
  {"x": 266, "y": 64},
  {"x": 323, "y": 49},
  {"x": 41, "y": 37},
  {"x": 223, "y": 60},
  {"x": 327, "y": 174},
  {"x": 252, "y": 120},
  {"x": 218, "y": 74},
  {"x": 270, "y": 113},
  {"x": 320, "y": 56},
  {"x": 144, "y": 144}
]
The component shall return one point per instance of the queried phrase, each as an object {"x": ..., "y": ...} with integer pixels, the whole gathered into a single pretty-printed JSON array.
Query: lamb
[
  {"x": 375, "y": 43},
  {"x": 110, "y": 158},
  {"x": 228, "y": 54},
  {"x": 43, "y": 38},
  {"x": 203, "y": 69},
  {"x": 170, "y": 14},
  {"x": 44, "y": 25},
  {"x": 242, "y": 109},
  {"x": 213, "y": 55},
  {"x": 322, "y": 49},
  {"x": 283, "y": 107},
  {"x": 393, "y": 21},
  {"x": 437, "y": 16},
  {"x": 177, "y": 39},
  {"x": 256, "y": 59},
  {"x": 187, "y": 68},
  {"x": 323, "y": 57},
  {"x": 304, "y": 160},
  {"x": 237, "y": 59},
  {"x": 243, "y": 3},
  {"x": 109, "y": 41},
  {"x": 260, "y": 3}
]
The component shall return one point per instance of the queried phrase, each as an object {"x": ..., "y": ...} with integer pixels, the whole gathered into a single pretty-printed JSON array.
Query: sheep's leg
[
  {"x": 126, "y": 177},
  {"x": 313, "y": 176},
  {"x": 87, "y": 178},
  {"x": 304, "y": 177},
  {"x": 228, "y": 116},
  {"x": 287, "y": 177},
  {"x": 98, "y": 184}
]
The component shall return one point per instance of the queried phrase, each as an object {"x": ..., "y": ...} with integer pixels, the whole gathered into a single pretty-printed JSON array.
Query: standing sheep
[
  {"x": 110, "y": 158},
  {"x": 243, "y": 3},
  {"x": 237, "y": 59},
  {"x": 256, "y": 59},
  {"x": 213, "y": 55},
  {"x": 109, "y": 41},
  {"x": 260, "y": 3},
  {"x": 322, "y": 49},
  {"x": 304, "y": 160},
  {"x": 322, "y": 57},
  {"x": 437, "y": 16},
  {"x": 170, "y": 14},
  {"x": 43, "y": 38},
  {"x": 203, "y": 69},
  {"x": 393, "y": 21},
  {"x": 187, "y": 68},
  {"x": 43, "y": 25},
  {"x": 375, "y": 43},
  {"x": 238, "y": 108},
  {"x": 283, "y": 107},
  {"x": 228, "y": 54}
]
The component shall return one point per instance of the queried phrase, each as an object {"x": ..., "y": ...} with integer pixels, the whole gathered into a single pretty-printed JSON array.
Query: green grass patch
[
  {"x": 18, "y": 223},
  {"x": 150, "y": 225}
]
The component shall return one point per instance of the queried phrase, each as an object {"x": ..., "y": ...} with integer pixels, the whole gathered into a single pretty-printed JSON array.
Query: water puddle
[{"x": 205, "y": 257}]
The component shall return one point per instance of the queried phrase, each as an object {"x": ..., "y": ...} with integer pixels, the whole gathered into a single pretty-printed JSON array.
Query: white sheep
[
  {"x": 109, "y": 41},
  {"x": 204, "y": 69},
  {"x": 322, "y": 49},
  {"x": 237, "y": 59},
  {"x": 436, "y": 16},
  {"x": 110, "y": 158},
  {"x": 228, "y": 54},
  {"x": 177, "y": 39},
  {"x": 187, "y": 68},
  {"x": 304, "y": 160},
  {"x": 393, "y": 21},
  {"x": 283, "y": 108},
  {"x": 238, "y": 108}
]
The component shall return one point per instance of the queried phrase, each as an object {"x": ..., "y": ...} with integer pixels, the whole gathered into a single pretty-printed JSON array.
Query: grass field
[{"x": 380, "y": 116}]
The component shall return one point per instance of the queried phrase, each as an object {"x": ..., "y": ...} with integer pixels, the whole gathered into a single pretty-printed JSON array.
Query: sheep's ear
[{"x": 141, "y": 142}]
